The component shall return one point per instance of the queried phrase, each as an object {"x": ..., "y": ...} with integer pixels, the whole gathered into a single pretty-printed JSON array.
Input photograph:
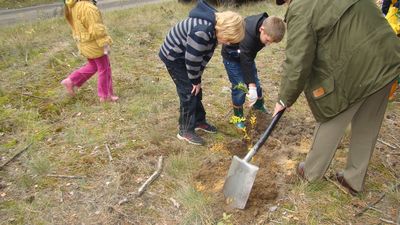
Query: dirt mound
[{"x": 211, "y": 176}]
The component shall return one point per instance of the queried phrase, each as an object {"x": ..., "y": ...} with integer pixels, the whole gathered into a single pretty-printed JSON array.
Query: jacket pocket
[{"x": 325, "y": 99}]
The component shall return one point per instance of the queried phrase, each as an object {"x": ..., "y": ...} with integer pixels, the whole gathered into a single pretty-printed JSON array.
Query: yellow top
[{"x": 87, "y": 26}]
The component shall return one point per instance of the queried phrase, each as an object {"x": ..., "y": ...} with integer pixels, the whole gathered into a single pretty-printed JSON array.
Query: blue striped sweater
[{"x": 192, "y": 40}]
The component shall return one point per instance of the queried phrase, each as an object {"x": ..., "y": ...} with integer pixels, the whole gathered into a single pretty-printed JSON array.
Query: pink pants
[{"x": 100, "y": 65}]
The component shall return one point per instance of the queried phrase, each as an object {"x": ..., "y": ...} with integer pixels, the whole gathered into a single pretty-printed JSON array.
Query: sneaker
[
  {"x": 206, "y": 127},
  {"x": 69, "y": 86},
  {"x": 190, "y": 137}
]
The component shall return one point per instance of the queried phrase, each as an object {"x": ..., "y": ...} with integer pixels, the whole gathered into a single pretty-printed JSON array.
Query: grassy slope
[
  {"x": 69, "y": 134},
  {"x": 12, "y": 4}
]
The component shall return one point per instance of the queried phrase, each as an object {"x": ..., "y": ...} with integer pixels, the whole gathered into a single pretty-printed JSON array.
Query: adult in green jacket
[{"x": 344, "y": 56}]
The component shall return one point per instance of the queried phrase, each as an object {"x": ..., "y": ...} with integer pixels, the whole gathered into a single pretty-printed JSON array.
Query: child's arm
[
  {"x": 96, "y": 28},
  {"x": 199, "y": 50}
]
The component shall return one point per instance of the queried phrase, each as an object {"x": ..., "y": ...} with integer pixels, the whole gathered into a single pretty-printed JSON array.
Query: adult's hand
[
  {"x": 196, "y": 89},
  {"x": 278, "y": 108}
]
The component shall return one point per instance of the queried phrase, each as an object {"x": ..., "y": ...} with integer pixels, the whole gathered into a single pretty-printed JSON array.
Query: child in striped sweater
[{"x": 186, "y": 51}]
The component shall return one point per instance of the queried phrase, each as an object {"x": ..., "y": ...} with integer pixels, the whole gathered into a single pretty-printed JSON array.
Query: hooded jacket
[
  {"x": 87, "y": 27},
  {"x": 192, "y": 41},
  {"x": 338, "y": 54},
  {"x": 246, "y": 51}
]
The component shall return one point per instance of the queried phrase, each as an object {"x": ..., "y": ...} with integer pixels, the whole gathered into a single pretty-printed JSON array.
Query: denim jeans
[
  {"x": 236, "y": 76},
  {"x": 191, "y": 108}
]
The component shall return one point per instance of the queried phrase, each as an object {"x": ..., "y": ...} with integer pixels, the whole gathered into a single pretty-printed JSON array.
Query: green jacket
[{"x": 337, "y": 53}]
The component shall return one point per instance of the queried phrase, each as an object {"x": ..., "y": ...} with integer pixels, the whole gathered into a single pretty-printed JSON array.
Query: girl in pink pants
[
  {"x": 94, "y": 43},
  {"x": 104, "y": 82}
]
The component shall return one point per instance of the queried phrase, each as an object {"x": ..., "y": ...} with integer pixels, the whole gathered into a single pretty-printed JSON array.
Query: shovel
[{"x": 241, "y": 174}]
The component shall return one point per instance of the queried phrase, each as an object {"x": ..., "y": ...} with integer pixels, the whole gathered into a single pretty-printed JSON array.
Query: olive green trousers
[{"x": 366, "y": 118}]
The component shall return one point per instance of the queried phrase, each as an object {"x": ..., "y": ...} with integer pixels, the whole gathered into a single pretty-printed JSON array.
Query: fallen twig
[
  {"x": 369, "y": 206},
  {"x": 123, "y": 201},
  {"x": 387, "y": 221},
  {"x": 15, "y": 156},
  {"x": 65, "y": 176},
  {"x": 337, "y": 185},
  {"x": 387, "y": 144},
  {"x": 147, "y": 183},
  {"x": 108, "y": 152},
  {"x": 152, "y": 177}
]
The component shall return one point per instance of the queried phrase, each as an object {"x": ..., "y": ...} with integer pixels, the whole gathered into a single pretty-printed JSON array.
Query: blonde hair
[
  {"x": 230, "y": 26},
  {"x": 275, "y": 28}
]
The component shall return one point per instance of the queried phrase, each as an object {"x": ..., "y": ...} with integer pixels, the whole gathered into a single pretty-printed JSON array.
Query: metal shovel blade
[{"x": 238, "y": 184}]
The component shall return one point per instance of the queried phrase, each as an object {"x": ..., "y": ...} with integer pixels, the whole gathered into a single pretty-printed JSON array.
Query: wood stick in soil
[
  {"x": 152, "y": 177},
  {"x": 109, "y": 153},
  {"x": 15, "y": 156},
  {"x": 65, "y": 176}
]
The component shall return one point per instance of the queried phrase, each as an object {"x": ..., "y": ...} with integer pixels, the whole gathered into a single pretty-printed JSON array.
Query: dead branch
[
  {"x": 65, "y": 176},
  {"x": 108, "y": 152},
  {"x": 123, "y": 201},
  {"x": 387, "y": 144},
  {"x": 337, "y": 185},
  {"x": 152, "y": 177},
  {"x": 387, "y": 221},
  {"x": 15, "y": 156},
  {"x": 146, "y": 184},
  {"x": 369, "y": 206}
]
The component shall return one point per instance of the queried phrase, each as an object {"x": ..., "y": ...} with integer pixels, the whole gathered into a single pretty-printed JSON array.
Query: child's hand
[
  {"x": 196, "y": 89},
  {"x": 106, "y": 49},
  {"x": 252, "y": 96}
]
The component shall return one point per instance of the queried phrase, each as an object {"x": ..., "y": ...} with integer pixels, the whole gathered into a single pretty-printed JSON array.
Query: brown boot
[{"x": 343, "y": 182}]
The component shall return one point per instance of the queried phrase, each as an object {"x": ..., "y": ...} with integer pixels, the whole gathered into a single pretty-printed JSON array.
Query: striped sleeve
[{"x": 198, "y": 47}]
